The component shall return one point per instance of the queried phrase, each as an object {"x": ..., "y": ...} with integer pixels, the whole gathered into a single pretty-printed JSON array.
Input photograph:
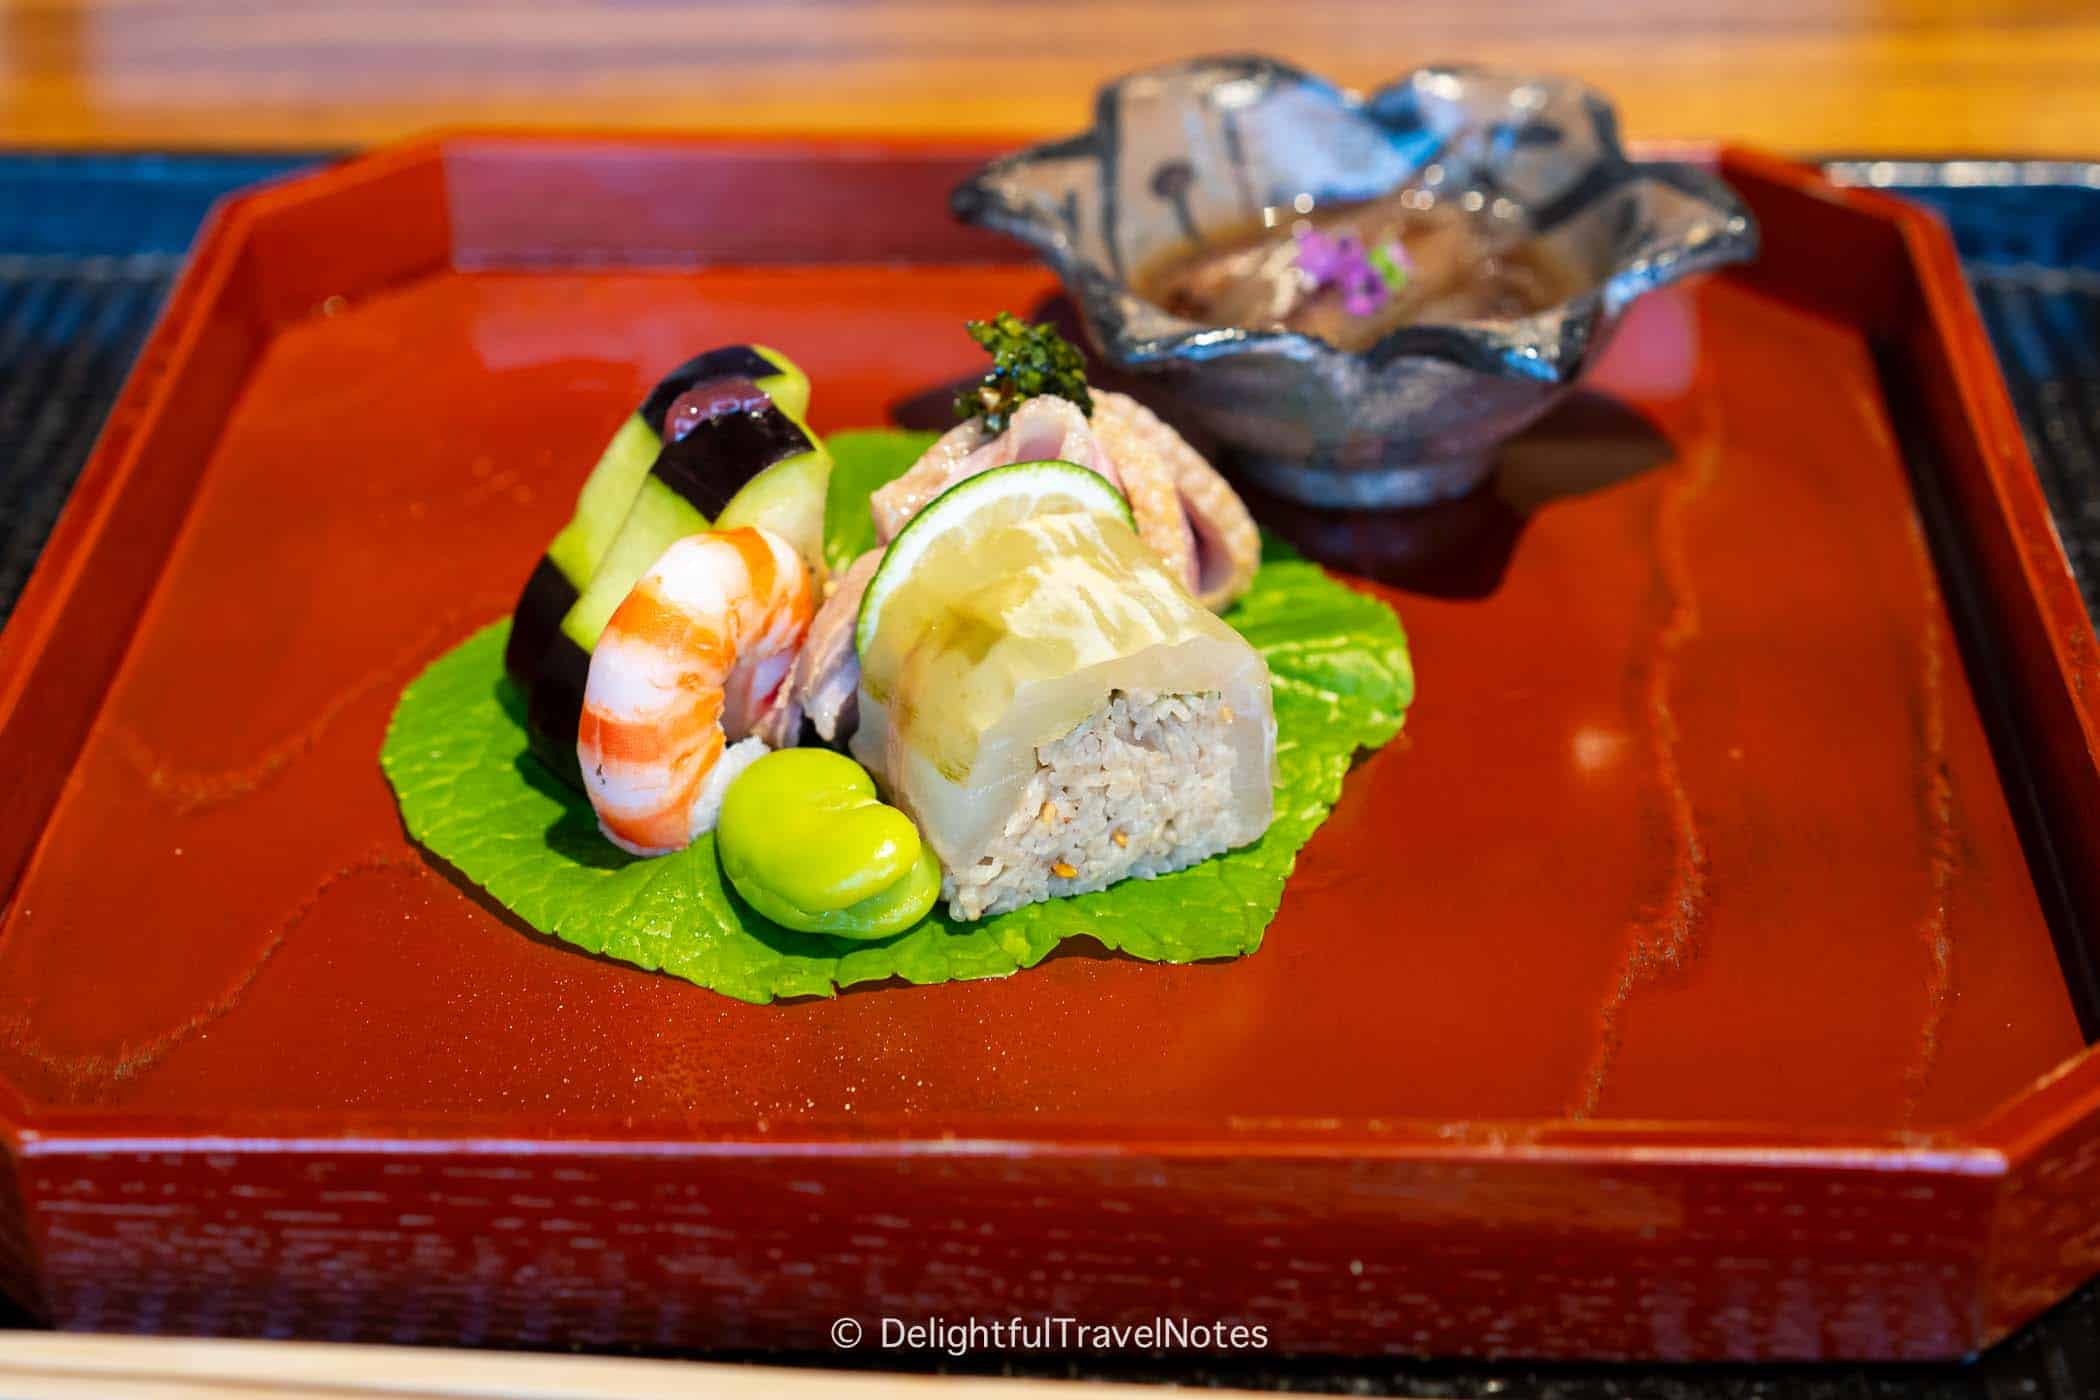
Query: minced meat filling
[{"x": 1142, "y": 788}]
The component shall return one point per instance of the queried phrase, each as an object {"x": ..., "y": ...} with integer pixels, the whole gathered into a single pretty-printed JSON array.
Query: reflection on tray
[
  {"x": 1454, "y": 549},
  {"x": 1460, "y": 549}
]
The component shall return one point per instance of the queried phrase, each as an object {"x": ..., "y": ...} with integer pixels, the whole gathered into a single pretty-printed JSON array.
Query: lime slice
[{"x": 983, "y": 502}]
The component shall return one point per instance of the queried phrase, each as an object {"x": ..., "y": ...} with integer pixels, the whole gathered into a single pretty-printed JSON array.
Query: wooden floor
[{"x": 1919, "y": 76}]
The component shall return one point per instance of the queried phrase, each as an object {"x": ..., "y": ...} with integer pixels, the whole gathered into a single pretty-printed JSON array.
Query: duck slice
[
  {"x": 1226, "y": 546},
  {"x": 779, "y": 721},
  {"x": 1042, "y": 429},
  {"x": 1149, "y": 485},
  {"x": 826, "y": 678}
]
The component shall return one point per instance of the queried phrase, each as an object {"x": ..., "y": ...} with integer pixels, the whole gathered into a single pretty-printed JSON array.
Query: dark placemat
[
  {"x": 2029, "y": 234},
  {"x": 89, "y": 245}
]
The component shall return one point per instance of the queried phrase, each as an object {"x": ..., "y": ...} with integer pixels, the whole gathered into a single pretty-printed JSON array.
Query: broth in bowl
[{"x": 1352, "y": 273}]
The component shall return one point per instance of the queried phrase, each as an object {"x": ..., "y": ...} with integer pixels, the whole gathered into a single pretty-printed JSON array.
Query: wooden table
[{"x": 1914, "y": 76}]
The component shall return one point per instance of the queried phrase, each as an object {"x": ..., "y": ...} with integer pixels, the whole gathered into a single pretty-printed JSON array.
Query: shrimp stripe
[
  {"x": 672, "y": 624},
  {"x": 668, "y": 824},
  {"x": 761, "y": 570},
  {"x": 646, "y": 740},
  {"x": 635, "y": 681}
]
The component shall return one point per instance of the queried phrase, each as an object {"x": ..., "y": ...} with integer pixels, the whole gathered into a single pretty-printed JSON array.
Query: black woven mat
[{"x": 90, "y": 244}]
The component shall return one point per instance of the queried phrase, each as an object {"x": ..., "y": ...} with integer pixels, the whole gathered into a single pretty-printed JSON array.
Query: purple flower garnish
[
  {"x": 1363, "y": 293},
  {"x": 1325, "y": 260},
  {"x": 1341, "y": 263}
]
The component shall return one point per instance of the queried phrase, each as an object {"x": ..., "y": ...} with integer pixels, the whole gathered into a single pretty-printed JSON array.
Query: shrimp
[{"x": 690, "y": 659}]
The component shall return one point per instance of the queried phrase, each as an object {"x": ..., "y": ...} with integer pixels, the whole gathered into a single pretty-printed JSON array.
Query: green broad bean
[{"x": 805, "y": 841}]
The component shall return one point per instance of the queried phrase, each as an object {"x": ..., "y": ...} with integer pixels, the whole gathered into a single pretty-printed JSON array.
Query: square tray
[{"x": 1771, "y": 627}]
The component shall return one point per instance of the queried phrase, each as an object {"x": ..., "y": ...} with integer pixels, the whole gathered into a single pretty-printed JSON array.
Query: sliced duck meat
[
  {"x": 1226, "y": 545},
  {"x": 779, "y": 722},
  {"x": 1184, "y": 510},
  {"x": 826, "y": 680},
  {"x": 940, "y": 467},
  {"x": 1042, "y": 429},
  {"x": 1149, "y": 485}
]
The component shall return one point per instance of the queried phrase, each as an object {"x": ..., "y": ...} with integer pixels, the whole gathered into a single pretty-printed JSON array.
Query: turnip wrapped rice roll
[{"x": 1057, "y": 713}]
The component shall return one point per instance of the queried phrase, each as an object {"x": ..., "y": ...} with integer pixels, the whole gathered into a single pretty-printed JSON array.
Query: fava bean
[{"x": 806, "y": 842}]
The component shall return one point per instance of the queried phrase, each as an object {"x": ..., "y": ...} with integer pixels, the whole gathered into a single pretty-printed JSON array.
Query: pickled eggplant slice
[
  {"x": 683, "y": 488},
  {"x": 573, "y": 556},
  {"x": 559, "y": 576},
  {"x": 680, "y": 495}
]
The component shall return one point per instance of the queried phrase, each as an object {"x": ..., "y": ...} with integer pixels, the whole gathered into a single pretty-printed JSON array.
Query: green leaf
[
  {"x": 861, "y": 460},
  {"x": 470, "y": 793}
]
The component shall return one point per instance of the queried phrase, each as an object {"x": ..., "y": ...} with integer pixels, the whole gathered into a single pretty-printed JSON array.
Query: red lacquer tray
[{"x": 1694, "y": 979}]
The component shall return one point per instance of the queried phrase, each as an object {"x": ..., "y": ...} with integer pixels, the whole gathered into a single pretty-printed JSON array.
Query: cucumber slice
[
  {"x": 603, "y": 502},
  {"x": 683, "y": 487},
  {"x": 613, "y": 484},
  {"x": 566, "y": 567},
  {"x": 986, "y": 501},
  {"x": 788, "y": 499},
  {"x": 683, "y": 490},
  {"x": 554, "y": 686},
  {"x": 659, "y": 518},
  {"x": 609, "y": 492}
]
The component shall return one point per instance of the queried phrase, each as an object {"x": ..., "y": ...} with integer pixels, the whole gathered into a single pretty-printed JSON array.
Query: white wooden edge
[{"x": 34, "y": 1366}]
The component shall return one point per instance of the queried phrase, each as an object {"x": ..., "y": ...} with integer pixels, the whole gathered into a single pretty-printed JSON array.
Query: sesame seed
[
  {"x": 1063, "y": 871},
  {"x": 1224, "y": 714},
  {"x": 1048, "y": 814},
  {"x": 1119, "y": 838}
]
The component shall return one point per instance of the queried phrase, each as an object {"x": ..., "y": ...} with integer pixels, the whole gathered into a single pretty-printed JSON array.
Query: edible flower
[{"x": 1366, "y": 278}]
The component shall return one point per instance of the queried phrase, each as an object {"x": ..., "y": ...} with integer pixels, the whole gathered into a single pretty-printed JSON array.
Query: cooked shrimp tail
[{"x": 688, "y": 663}]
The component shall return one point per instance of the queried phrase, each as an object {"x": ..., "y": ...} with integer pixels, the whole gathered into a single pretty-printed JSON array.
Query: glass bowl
[{"x": 1203, "y": 150}]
